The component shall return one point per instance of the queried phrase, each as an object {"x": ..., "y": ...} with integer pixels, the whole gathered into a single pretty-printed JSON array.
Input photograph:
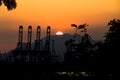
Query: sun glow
[{"x": 59, "y": 33}]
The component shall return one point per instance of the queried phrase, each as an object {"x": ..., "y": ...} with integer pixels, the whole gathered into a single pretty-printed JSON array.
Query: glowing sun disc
[{"x": 59, "y": 33}]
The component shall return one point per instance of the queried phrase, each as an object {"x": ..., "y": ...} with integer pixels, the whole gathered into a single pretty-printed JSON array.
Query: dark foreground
[{"x": 53, "y": 72}]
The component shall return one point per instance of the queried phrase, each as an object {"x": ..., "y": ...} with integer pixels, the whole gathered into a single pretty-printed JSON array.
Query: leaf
[
  {"x": 74, "y": 25},
  {"x": 0, "y": 2},
  {"x": 81, "y": 26}
]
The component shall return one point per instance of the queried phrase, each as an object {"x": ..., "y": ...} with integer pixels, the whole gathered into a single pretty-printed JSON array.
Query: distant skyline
[{"x": 59, "y": 14}]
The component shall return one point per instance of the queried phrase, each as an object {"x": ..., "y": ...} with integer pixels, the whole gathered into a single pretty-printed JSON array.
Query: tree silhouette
[
  {"x": 69, "y": 44},
  {"x": 113, "y": 34},
  {"x": 78, "y": 53},
  {"x": 110, "y": 49},
  {"x": 112, "y": 38},
  {"x": 112, "y": 41},
  {"x": 79, "y": 27},
  {"x": 10, "y": 4}
]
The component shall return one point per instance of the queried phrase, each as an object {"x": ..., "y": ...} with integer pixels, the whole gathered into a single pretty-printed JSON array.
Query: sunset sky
[{"x": 59, "y": 14}]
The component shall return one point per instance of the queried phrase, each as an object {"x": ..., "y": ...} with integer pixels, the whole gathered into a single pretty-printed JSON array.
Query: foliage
[
  {"x": 80, "y": 51},
  {"x": 109, "y": 51},
  {"x": 10, "y": 4},
  {"x": 0, "y": 2},
  {"x": 113, "y": 34}
]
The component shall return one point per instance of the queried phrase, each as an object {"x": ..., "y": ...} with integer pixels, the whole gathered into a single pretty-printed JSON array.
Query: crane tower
[
  {"x": 29, "y": 38},
  {"x": 20, "y": 38},
  {"x": 48, "y": 39},
  {"x": 37, "y": 41}
]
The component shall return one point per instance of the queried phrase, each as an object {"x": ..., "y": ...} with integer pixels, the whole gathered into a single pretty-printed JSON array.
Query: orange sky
[{"x": 59, "y": 14}]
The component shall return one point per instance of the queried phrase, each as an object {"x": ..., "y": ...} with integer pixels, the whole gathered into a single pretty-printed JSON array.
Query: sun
[{"x": 59, "y": 33}]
